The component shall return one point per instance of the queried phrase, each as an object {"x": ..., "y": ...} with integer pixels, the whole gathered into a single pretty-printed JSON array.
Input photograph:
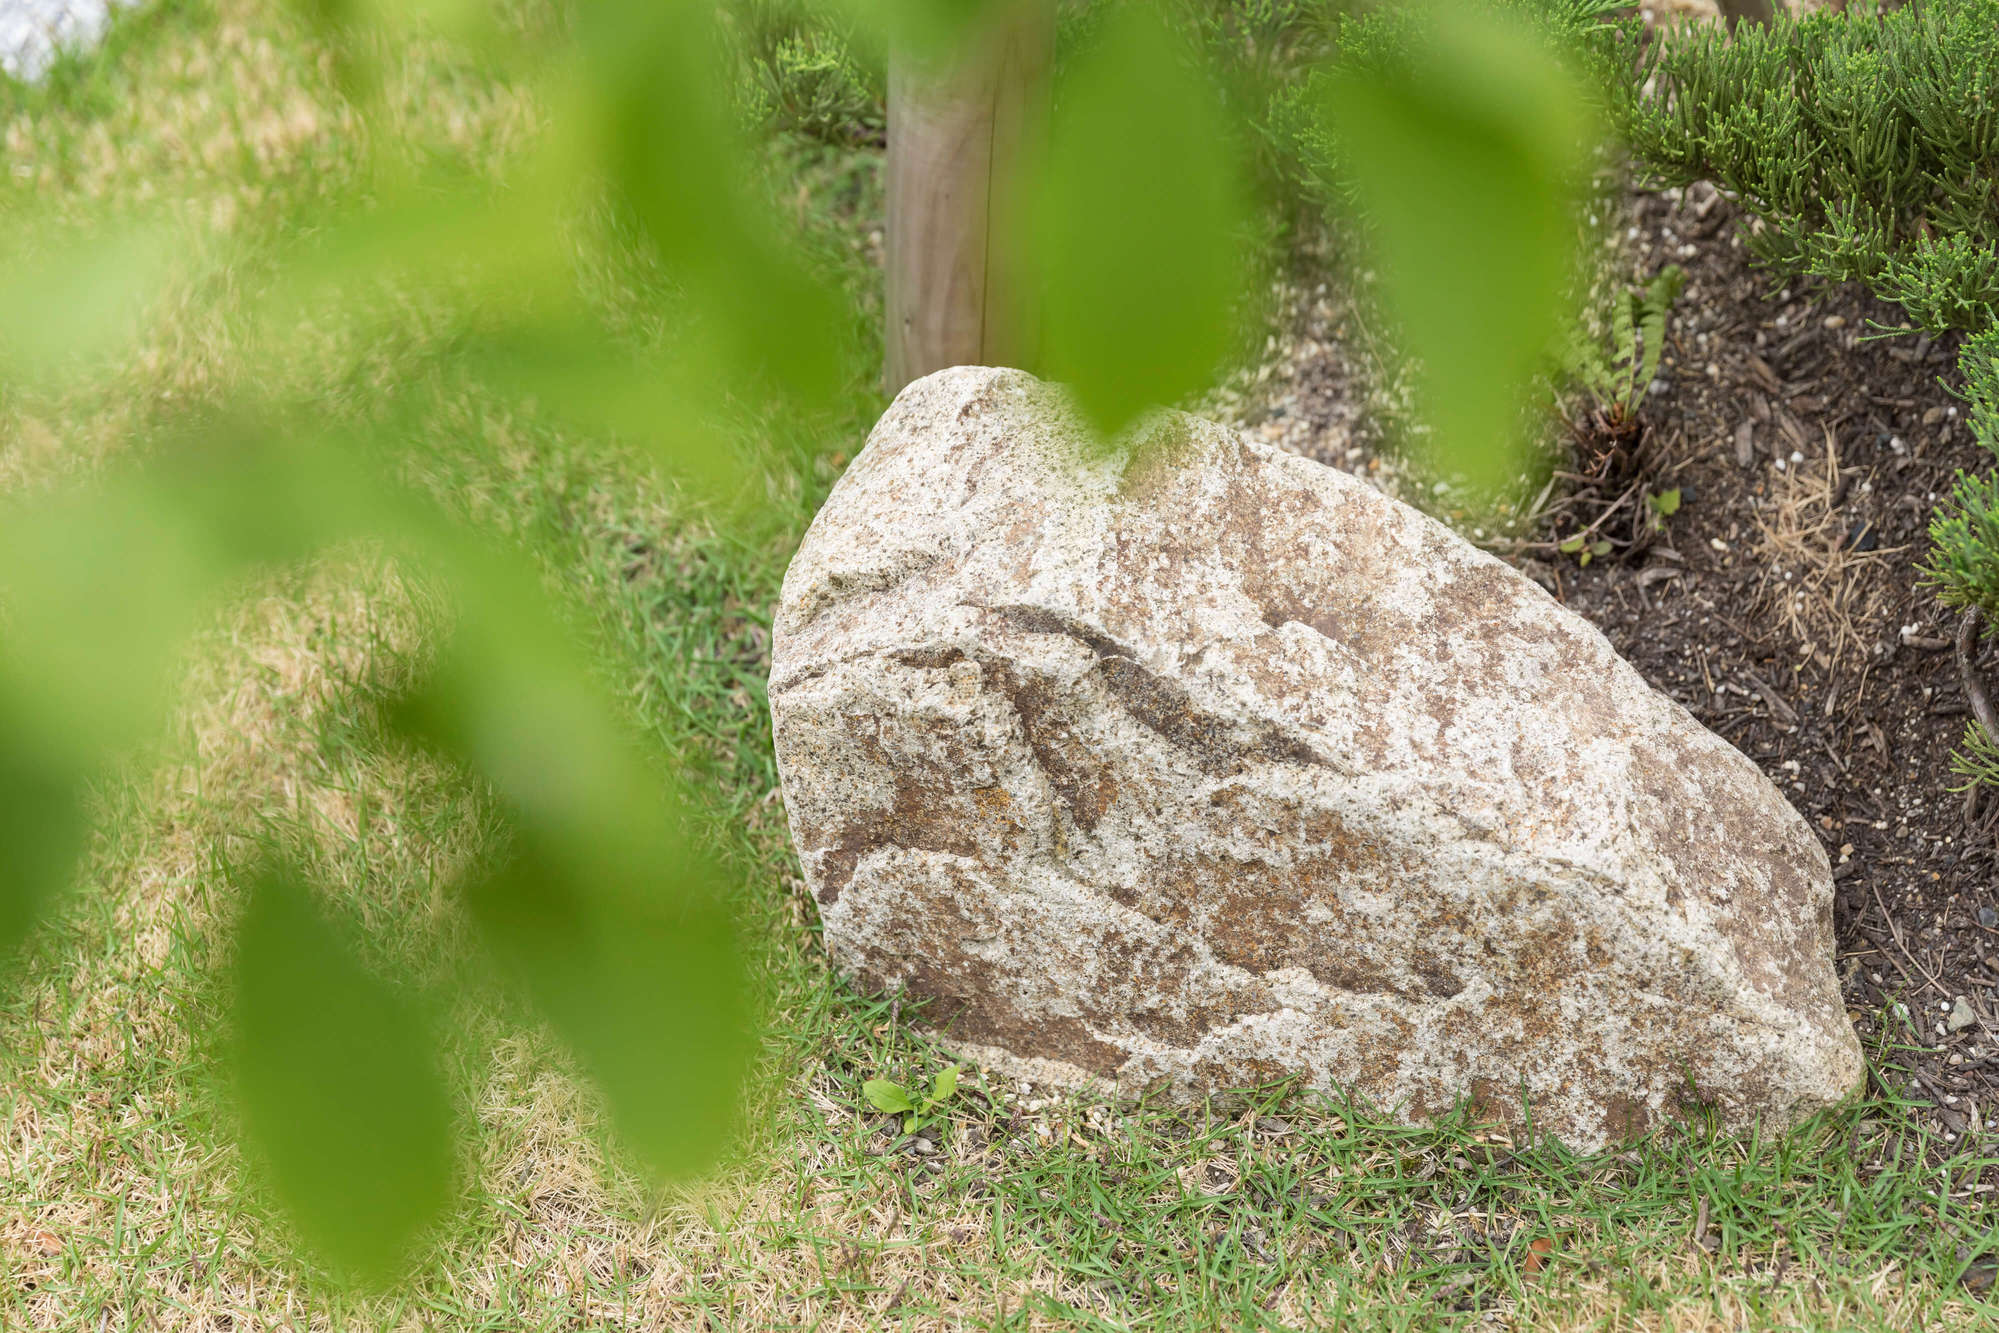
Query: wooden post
[
  {"x": 963, "y": 132},
  {"x": 1760, "y": 12}
]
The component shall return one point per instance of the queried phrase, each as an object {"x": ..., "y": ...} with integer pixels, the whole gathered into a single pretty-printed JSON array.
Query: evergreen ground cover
[
  {"x": 124, "y": 1202},
  {"x": 1867, "y": 146}
]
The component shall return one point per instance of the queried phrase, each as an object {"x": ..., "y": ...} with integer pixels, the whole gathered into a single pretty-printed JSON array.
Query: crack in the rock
[{"x": 1164, "y": 706}]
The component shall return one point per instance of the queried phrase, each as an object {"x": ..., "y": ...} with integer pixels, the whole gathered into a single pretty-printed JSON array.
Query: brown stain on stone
[
  {"x": 1495, "y": 1102},
  {"x": 914, "y": 819},
  {"x": 927, "y": 659},
  {"x": 1442, "y": 983},
  {"x": 967, "y": 995},
  {"x": 1042, "y": 620},
  {"x": 940, "y": 912},
  {"x": 1215, "y": 744},
  {"x": 963, "y": 999},
  {"x": 1084, "y": 785},
  {"x": 927, "y": 811},
  {"x": 1626, "y": 1117},
  {"x": 1164, "y": 707},
  {"x": 1254, "y": 914},
  {"x": 1129, "y": 966}
]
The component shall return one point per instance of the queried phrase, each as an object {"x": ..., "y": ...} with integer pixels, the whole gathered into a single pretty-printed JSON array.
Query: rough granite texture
[{"x": 1202, "y": 764}]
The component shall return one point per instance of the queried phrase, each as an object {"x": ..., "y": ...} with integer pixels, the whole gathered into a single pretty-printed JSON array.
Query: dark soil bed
[{"x": 1782, "y": 604}]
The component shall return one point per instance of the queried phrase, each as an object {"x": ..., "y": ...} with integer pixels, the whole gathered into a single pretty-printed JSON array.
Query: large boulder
[{"x": 1197, "y": 764}]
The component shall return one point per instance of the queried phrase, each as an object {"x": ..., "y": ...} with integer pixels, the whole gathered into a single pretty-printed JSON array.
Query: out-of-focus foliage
[
  {"x": 1139, "y": 224},
  {"x": 339, "y": 1085},
  {"x": 1457, "y": 149},
  {"x": 1466, "y": 145},
  {"x": 1595, "y": 46},
  {"x": 603, "y": 911}
]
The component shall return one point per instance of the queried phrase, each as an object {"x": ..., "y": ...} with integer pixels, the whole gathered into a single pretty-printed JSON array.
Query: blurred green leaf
[
  {"x": 340, "y": 1094},
  {"x": 648, "y": 86},
  {"x": 945, "y": 1084},
  {"x": 925, "y": 28},
  {"x": 616, "y": 926},
  {"x": 1466, "y": 153},
  {"x": 41, "y": 828},
  {"x": 104, "y": 582},
  {"x": 500, "y": 251},
  {"x": 1140, "y": 225},
  {"x": 660, "y": 403},
  {"x": 71, "y": 297},
  {"x": 642, "y": 977}
]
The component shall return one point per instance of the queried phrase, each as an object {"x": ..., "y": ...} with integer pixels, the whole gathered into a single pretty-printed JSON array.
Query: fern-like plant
[{"x": 1618, "y": 377}]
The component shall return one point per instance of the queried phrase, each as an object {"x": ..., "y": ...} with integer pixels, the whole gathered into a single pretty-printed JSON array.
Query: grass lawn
[{"x": 124, "y": 1201}]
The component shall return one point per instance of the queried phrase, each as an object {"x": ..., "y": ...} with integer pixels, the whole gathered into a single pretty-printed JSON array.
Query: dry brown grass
[{"x": 1822, "y": 590}]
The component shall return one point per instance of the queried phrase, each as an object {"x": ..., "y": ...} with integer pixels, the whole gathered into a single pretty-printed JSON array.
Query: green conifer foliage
[{"x": 1867, "y": 145}]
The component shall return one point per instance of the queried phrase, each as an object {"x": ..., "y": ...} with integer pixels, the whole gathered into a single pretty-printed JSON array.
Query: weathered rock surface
[{"x": 1211, "y": 764}]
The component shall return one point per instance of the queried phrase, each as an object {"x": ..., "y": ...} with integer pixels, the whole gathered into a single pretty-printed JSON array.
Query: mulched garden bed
[{"x": 1783, "y": 603}]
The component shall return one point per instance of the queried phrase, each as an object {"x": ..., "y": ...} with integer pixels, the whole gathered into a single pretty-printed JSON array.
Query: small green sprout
[
  {"x": 895, "y": 1099},
  {"x": 1583, "y": 549},
  {"x": 1660, "y": 507}
]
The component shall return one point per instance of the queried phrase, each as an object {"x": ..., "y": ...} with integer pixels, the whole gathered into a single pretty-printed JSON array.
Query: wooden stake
[
  {"x": 1760, "y": 12},
  {"x": 963, "y": 133}
]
